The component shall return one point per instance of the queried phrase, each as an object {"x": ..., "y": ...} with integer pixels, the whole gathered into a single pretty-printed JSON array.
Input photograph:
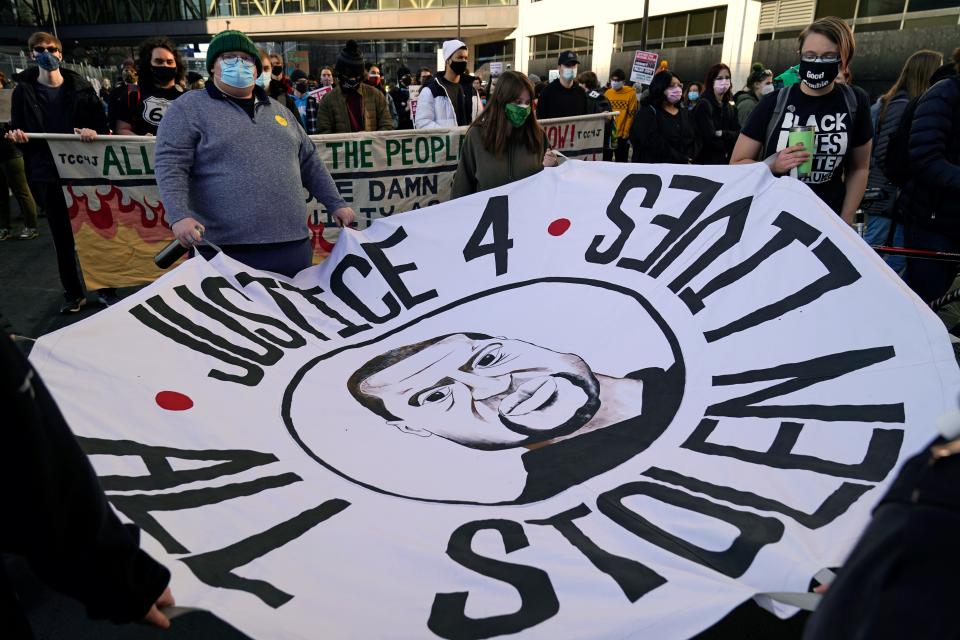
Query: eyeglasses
[
  {"x": 827, "y": 57},
  {"x": 50, "y": 49},
  {"x": 242, "y": 57}
]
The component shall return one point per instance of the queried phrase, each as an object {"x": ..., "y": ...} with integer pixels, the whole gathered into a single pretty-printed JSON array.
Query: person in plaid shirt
[{"x": 307, "y": 105}]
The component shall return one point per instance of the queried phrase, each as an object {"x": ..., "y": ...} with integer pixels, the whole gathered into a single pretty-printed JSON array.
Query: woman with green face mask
[{"x": 505, "y": 143}]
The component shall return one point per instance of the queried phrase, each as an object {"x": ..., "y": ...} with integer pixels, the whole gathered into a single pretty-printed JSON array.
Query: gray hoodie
[{"x": 241, "y": 177}]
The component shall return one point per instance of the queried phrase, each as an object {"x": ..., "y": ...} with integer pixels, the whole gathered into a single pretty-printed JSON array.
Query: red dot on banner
[
  {"x": 174, "y": 401},
  {"x": 558, "y": 227}
]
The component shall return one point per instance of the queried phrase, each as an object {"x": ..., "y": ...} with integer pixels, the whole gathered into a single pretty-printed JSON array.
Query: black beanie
[
  {"x": 350, "y": 60},
  {"x": 298, "y": 75},
  {"x": 403, "y": 71}
]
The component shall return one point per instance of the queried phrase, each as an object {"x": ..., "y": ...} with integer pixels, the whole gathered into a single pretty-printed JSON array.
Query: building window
[
  {"x": 549, "y": 45},
  {"x": 782, "y": 18},
  {"x": 690, "y": 29},
  {"x": 494, "y": 52}
]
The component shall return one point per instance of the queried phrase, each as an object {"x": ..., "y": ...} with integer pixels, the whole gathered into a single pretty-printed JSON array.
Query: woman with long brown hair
[
  {"x": 886, "y": 114},
  {"x": 715, "y": 117},
  {"x": 505, "y": 143}
]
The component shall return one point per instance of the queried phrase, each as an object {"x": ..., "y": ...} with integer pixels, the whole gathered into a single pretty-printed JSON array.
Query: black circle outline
[{"x": 285, "y": 409}]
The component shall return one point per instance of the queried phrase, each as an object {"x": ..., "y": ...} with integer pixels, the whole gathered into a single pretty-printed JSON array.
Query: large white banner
[{"x": 607, "y": 401}]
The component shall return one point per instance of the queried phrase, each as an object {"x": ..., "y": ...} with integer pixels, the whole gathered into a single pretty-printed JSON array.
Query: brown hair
[
  {"x": 712, "y": 74},
  {"x": 837, "y": 31},
  {"x": 589, "y": 80},
  {"x": 145, "y": 59},
  {"x": 40, "y": 37},
  {"x": 495, "y": 129},
  {"x": 914, "y": 77}
]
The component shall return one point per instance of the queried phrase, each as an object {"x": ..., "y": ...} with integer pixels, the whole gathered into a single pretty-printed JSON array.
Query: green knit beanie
[{"x": 231, "y": 40}]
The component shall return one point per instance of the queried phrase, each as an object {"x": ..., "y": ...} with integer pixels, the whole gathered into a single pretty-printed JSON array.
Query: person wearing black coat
[
  {"x": 662, "y": 130},
  {"x": 930, "y": 199},
  {"x": 715, "y": 118},
  {"x": 57, "y": 518},
  {"x": 51, "y": 99},
  {"x": 400, "y": 95}
]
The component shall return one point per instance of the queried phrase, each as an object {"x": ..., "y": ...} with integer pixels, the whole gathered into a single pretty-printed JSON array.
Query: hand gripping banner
[
  {"x": 607, "y": 401},
  {"x": 118, "y": 217}
]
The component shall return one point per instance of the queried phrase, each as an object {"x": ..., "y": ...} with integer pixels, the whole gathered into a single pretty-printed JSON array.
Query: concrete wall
[{"x": 879, "y": 56}]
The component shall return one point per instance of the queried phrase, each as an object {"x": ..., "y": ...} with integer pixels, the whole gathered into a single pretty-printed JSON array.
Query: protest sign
[
  {"x": 496, "y": 69},
  {"x": 117, "y": 215},
  {"x": 644, "y": 67},
  {"x": 606, "y": 401},
  {"x": 319, "y": 92},
  {"x": 297, "y": 61},
  {"x": 412, "y": 102}
]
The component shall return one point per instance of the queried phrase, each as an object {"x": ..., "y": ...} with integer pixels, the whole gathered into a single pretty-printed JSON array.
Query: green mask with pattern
[{"x": 517, "y": 114}]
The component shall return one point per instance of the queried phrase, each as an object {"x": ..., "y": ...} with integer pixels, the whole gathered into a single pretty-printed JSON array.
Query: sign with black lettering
[{"x": 609, "y": 400}]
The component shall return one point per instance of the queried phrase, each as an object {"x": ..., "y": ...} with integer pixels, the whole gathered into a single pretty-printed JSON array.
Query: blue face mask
[
  {"x": 693, "y": 96},
  {"x": 569, "y": 73},
  {"x": 48, "y": 61},
  {"x": 237, "y": 73},
  {"x": 263, "y": 80}
]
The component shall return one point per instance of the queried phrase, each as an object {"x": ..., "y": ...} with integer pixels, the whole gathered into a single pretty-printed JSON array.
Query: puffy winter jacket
[
  {"x": 931, "y": 198},
  {"x": 746, "y": 102},
  {"x": 882, "y": 130},
  {"x": 435, "y": 109}
]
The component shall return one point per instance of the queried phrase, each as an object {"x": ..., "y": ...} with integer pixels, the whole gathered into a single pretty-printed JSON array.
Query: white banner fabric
[{"x": 607, "y": 401}]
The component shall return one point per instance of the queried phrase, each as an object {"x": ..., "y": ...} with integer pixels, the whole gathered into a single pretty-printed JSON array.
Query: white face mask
[
  {"x": 616, "y": 85},
  {"x": 767, "y": 88}
]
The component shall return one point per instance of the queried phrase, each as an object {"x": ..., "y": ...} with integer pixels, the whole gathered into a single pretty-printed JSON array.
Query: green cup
[{"x": 806, "y": 136}]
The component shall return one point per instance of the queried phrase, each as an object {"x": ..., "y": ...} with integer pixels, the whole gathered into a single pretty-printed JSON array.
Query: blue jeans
[{"x": 878, "y": 230}]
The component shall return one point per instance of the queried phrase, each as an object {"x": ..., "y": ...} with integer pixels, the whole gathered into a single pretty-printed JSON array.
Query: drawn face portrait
[{"x": 480, "y": 392}]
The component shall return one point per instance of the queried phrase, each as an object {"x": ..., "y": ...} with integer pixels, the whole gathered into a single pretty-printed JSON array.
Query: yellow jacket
[{"x": 624, "y": 101}]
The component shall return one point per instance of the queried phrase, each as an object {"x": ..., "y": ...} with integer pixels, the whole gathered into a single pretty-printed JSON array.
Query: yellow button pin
[{"x": 281, "y": 120}]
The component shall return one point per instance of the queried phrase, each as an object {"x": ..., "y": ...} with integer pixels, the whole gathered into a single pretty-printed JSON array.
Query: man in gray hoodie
[{"x": 218, "y": 148}]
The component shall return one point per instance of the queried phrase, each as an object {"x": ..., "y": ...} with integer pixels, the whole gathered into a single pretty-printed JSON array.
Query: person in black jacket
[
  {"x": 663, "y": 130},
  {"x": 930, "y": 199},
  {"x": 49, "y": 99},
  {"x": 57, "y": 518},
  {"x": 715, "y": 118},
  {"x": 400, "y": 95},
  {"x": 563, "y": 97},
  {"x": 886, "y": 114}
]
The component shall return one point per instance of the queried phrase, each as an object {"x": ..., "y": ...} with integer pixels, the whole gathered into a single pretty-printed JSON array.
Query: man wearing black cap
[
  {"x": 208, "y": 143},
  {"x": 353, "y": 105},
  {"x": 400, "y": 95},
  {"x": 563, "y": 97}
]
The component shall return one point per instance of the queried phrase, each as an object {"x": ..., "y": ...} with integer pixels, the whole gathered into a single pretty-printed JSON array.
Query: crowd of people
[
  {"x": 905, "y": 146},
  {"x": 671, "y": 120}
]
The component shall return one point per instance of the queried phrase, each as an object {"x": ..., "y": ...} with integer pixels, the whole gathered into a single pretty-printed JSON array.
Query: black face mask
[
  {"x": 458, "y": 67},
  {"x": 349, "y": 84},
  {"x": 163, "y": 75},
  {"x": 301, "y": 87},
  {"x": 817, "y": 75},
  {"x": 405, "y": 81}
]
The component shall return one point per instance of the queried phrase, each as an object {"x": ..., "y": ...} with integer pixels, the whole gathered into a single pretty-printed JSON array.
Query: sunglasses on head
[{"x": 50, "y": 49}]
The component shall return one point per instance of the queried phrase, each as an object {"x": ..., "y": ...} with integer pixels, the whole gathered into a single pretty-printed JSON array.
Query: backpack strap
[
  {"x": 782, "y": 96},
  {"x": 850, "y": 97}
]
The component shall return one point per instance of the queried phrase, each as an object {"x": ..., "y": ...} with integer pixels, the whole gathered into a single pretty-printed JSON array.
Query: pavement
[{"x": 29, "y": 303}]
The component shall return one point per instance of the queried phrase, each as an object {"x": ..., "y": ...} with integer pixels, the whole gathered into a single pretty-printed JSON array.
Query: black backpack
[{"x": 897, "y": 165}]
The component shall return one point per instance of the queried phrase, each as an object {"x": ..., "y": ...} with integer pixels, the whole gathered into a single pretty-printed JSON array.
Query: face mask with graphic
[
  {"x": 458, "y": 67},
  {"x": 517, "y": 114},
  {"x": 673, "y": 94},
  {"x": 721, "y": 86},
  {"x": 48, "y": 61},
  {"x": 301, "y": 86},
  {"x": 263, "y": 80},
  {"x": 237, "y": 73},
  {"x": 568, "y": 73},
  {"x": 616, "y": 85},
  {"x": 163, "y": 75},
  {"x": 766, "y": 89},
  {"x": 349, "y": 84},
  {"x": 817, "y": 75},
  {"x": 693, "y": 96}
]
